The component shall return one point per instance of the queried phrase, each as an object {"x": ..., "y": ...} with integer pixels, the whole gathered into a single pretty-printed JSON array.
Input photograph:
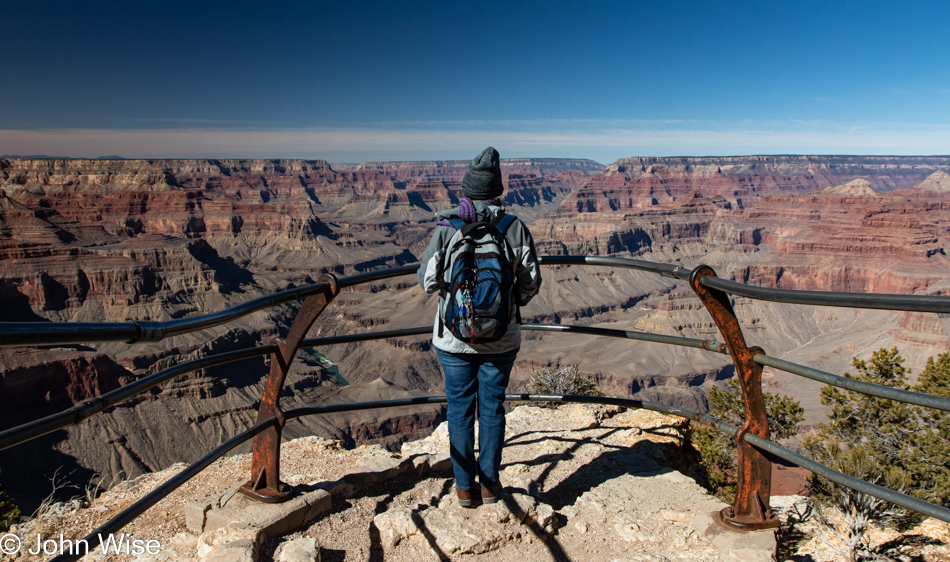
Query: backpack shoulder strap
[
  {"x": 458, "y": 224},
  {"x": 502, "y": 222}
]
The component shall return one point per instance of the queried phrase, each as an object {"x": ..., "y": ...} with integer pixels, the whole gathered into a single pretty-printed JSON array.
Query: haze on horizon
[{"x": 431, "y": 80}]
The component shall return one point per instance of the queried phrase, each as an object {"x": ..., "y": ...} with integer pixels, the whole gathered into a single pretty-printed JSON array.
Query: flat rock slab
[
  {"x": 752, "y": 546},
  {"x": 659, "y": 516},
  {"x": 304, "y": 549},
  {"x": 230, "y": 506}
]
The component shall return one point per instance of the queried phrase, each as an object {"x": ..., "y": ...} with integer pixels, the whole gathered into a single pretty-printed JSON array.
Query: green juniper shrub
[
  {"x": 907, "y": 446},
  {"x": 893, "y": 444},
  {"x": 927, "y": 455},
  {"x": 9, "y": 512}
]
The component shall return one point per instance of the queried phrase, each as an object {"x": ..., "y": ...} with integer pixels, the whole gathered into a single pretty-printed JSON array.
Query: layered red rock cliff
[{"x": 844, "y": 237}]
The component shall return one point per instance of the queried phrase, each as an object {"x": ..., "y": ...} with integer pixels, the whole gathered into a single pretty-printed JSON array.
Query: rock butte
[{"x": 113, "y": 240}]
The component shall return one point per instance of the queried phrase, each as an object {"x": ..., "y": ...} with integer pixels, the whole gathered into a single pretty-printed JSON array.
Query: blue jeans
[{"x": 485, "y": 377}]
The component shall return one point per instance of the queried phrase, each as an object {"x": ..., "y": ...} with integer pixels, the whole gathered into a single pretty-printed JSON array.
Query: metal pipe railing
[
  {"x": 664, "y": 269},
  {"x": 366, "y": 336},
  {"x": 378, "y": 275},
  {"x": 81, "y": 411},
  {"x": 75, "y": 414},
  {"x": 886, "y": 494},
  {"x": 140, "y": 331},
  {"x": 854, "y": 385},
  {"x": 910, "y": 303},
  {"x": 52, "y": 333},
  {"x": 63, "y": 333},
  {"x": 708, "y": 345}
]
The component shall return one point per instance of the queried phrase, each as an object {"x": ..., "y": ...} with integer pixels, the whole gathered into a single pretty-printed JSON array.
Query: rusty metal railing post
[
  {"x": 265, "y": 484},
  {"x": 751, "y": 509}
]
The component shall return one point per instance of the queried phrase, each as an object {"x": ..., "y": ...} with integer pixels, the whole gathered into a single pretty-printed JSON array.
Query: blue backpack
[{"x": 476, "y": 281}]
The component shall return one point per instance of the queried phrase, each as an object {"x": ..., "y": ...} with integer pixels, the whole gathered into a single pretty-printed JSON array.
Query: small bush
[
  {"x": 717, "y": 451},
  {"x": 846, "y": 515},
  {"x": 566, "y": 380},
  {"x": 897, "y": 445},
  {"x": 9, "y": 512}
]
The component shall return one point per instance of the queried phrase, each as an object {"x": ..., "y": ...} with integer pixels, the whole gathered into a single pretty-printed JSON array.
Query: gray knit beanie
[{"x": 483, "y": 178}]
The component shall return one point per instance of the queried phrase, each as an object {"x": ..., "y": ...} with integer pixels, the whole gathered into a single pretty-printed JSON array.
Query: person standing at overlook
[{"x": 484, "y": 264}]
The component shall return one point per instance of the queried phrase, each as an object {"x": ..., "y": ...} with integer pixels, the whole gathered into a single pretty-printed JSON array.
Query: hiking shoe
[
  {"x": 465, "y": 497},
  {"x": 490, "y": 496}
]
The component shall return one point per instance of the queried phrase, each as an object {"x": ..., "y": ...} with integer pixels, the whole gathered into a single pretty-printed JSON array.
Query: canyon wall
[{"x": 842, "y": 237}]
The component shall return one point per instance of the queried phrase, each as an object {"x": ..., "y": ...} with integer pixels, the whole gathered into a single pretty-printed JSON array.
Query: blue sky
[{"x": 360, "y": 81}]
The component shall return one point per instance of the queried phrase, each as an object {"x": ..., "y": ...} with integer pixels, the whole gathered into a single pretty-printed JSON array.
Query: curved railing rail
[
  {"x": 750, "y": 511},
  {"x": 51, "y": 333}
]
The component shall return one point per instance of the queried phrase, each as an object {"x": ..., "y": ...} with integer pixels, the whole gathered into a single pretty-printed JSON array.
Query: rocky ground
[{"x": 582, "y": 482}]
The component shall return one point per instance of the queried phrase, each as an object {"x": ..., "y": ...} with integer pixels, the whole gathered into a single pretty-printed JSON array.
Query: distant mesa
[
  {"x": 937, "y": 182},
  {"x": 451, "y": 168},
  {"x": 34, "y": 156},
  {"x": 48, "y": 157},
  {"x": 934, "y": 186}
]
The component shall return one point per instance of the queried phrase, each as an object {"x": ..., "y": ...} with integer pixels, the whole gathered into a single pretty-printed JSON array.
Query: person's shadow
[{"x": 638, "y": 459}]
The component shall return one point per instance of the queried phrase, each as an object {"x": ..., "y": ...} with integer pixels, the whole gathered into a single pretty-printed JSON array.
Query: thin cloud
[
  {"x": 185, "y": 121},
  {"x": 602, "y": 140}
]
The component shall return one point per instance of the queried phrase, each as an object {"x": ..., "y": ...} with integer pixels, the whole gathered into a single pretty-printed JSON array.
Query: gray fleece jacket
[{"x": 526, "y": 269}]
